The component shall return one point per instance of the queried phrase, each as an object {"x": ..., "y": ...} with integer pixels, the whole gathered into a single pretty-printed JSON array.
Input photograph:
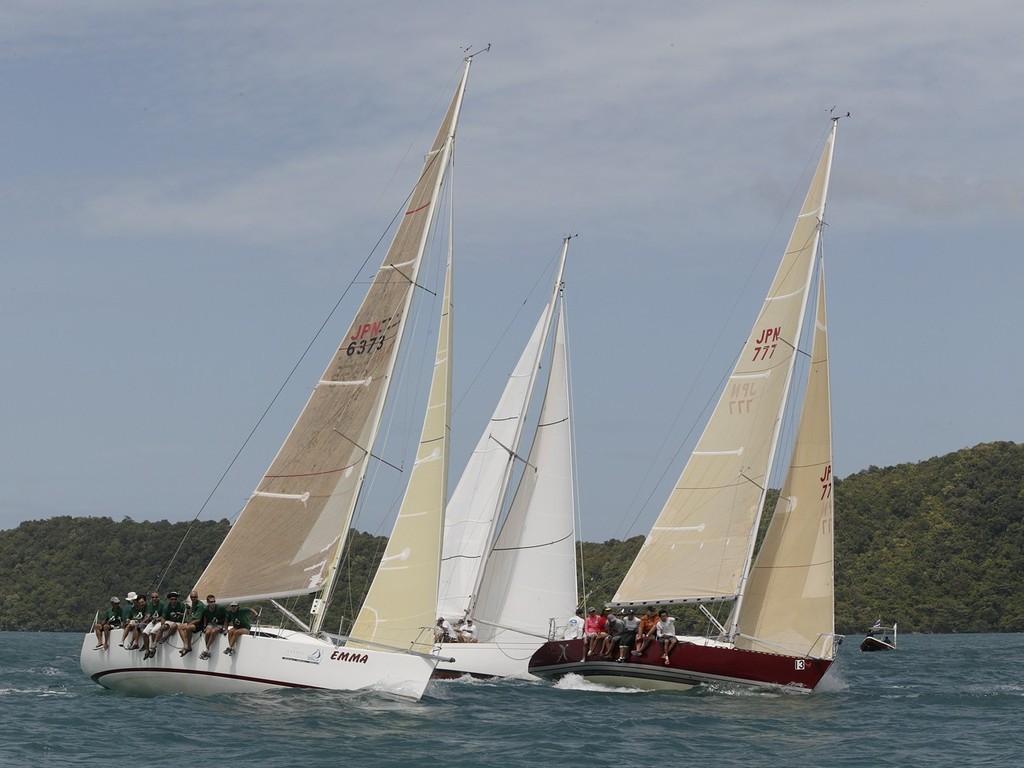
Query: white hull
[
  {"x": 507, "y": 659},
  {"x": 259, "y": 664}
]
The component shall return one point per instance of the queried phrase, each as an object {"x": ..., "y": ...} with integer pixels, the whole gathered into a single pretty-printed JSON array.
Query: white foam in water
[
  {"x": 577, "y": 683},
  {"x": 832, "y": 682}
]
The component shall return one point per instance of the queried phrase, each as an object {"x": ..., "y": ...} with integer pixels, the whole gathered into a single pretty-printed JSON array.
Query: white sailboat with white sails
[
  {"x": 701, "y": 549},
  {"x": 290, "y": 536},
  {"x": 516, "y": 585}
]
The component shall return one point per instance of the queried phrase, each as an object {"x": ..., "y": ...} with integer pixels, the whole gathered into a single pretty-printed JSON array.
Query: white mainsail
[
  {"x": 289, "y": 537},
  {"x": 531, "y": 574},
  {"x": 789, "y": 604},
  {"x": 476, "y": 504},
  {"x": 701, "y": 545}
]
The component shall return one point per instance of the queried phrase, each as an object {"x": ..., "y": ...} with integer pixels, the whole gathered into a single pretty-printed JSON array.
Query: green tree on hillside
[{"x": 937, "y": 546}]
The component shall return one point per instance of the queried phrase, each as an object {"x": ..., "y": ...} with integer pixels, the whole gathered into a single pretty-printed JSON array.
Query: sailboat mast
[
  {"x": 443, "y": 158},
  {"x": 819, "y": 214}
]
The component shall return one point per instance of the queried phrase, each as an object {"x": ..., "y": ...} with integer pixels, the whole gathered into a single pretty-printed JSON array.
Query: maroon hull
[{"x": 689, "y": 664}]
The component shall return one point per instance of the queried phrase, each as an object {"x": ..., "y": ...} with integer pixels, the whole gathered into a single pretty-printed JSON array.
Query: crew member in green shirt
[
  {"x": 238, "y": 624},
  {"x": 112, "y": 619},
  {"x": 171, "y": 615},
  {"x": 212, "y": 623},
  {"x": 152, "y": 625},
  {"x": 135, "y": 619},
  {"x": 192, "y": 624}
]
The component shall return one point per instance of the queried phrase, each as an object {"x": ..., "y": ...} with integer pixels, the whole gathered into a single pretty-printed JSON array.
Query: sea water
[{"x": 939, "y": 700}]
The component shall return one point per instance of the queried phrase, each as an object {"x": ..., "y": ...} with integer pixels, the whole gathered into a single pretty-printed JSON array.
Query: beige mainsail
[
  {"x": 289, "y": 536},
  {"x": 701, "y": 544},
  {"x": 788, "y": 605},
  {"x": 399, "y": 608}
]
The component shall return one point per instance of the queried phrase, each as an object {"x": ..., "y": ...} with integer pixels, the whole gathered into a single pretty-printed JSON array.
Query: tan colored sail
[
  {"x": 291, "y": 531},
  {"x": 701, "y": 543},
  {"x": 399, "y": 608},
  {"x": 789, "y": 602}
]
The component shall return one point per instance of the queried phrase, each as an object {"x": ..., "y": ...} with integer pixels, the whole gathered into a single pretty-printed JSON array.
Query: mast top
[{"x": 469, "y": 56}]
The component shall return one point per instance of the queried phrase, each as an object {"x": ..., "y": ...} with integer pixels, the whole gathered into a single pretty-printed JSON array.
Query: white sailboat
[
  {"x": 519, "y": 584},
  {"x": 701, "y": 549},
  {"x": 290, "y": 536}
]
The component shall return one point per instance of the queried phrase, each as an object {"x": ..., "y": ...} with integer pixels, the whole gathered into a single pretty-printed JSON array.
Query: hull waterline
[
  {"x": 259, "y": 664},
  {"x": 486, "y": 660},
  {"x": 690, "y": 664}
]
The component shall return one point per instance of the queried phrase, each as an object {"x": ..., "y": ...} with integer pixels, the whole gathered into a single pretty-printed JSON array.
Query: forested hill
[{"x": 937, "y": 546}]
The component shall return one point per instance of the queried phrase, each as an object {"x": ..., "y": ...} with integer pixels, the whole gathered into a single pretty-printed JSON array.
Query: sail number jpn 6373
[{"x": 368, "y": 337}]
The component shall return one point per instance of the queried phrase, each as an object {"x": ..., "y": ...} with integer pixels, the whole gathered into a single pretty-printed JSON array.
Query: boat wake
[
  {"x": 833, "y": 682},
  {"x": 578, "y": 683}
]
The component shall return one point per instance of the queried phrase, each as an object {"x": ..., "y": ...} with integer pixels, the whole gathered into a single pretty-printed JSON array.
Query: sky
[{"x": 187, "y": 188}]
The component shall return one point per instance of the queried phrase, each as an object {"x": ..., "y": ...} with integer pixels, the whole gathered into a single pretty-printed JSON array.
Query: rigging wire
[{"x": 577, "y": 501}]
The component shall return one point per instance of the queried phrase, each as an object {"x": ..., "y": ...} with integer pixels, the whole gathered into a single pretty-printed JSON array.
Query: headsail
[
  {"x": 288, "y": 538},
  {"x": 701, "y": 544},
  {"x": 789, "y": 602},
  {"x": 399, "y": 608}
]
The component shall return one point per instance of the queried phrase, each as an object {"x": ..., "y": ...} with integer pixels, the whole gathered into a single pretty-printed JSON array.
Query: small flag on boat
[{"x": 878, "y": 623}]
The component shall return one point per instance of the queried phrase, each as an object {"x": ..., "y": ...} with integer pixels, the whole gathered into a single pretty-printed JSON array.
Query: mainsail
[
  {"x": 477, "y": 502},
  {"x": 700, "y": 547},
  {"x": 531, "y": 574},
  {"x": 475, "y": 505},
  {"x": 290, "y": 534}
]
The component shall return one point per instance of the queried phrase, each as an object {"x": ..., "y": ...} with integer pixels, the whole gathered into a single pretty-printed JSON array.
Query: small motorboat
[{"x": 880, "y": 638}]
